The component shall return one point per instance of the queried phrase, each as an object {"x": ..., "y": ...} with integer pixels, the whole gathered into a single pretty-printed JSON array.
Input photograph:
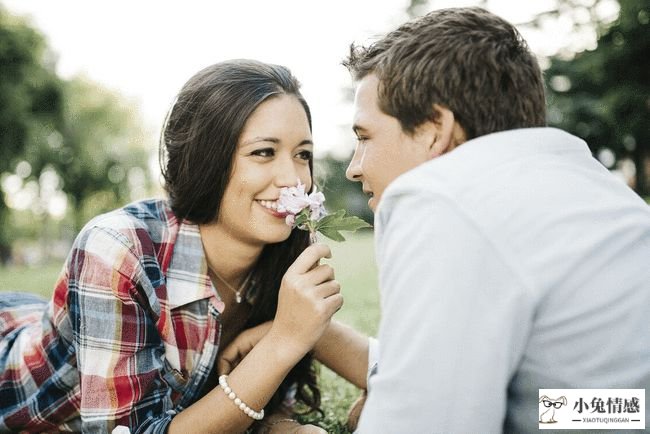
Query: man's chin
[{"x": 372, "y": 203}]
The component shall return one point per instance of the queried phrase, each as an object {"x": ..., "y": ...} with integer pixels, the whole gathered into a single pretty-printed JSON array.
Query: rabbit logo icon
[{"x": 548, "y": 407}]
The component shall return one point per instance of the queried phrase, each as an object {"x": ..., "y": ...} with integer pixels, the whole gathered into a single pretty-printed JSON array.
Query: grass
[
  {"x": 355, "y": 268},
  {"x": 354, "y": 264},
  {"x": 37, "y": 280}
]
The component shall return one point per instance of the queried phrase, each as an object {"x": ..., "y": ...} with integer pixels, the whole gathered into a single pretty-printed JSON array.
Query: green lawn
[
  {"x": 355, "y": 268},
  {"x": 354, "y": 263},
  {"x": 38, "y": 280}
]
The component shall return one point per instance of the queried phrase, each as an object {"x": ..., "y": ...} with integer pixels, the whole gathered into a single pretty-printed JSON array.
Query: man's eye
[
  {"x": 305, "y": 155},
  {"x": 361, "y": 139},
  {"x": 265, "y": 152}
]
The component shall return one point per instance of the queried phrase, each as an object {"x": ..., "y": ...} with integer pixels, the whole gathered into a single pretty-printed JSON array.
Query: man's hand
[
  {"x": 240, "y": 347},
  {"x": 282, "y": 423},
  {"x": 287, "y": 427},
  {"x": 354, "y": 413}
]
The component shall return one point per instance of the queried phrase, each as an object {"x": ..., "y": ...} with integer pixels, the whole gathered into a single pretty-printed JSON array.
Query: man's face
[{"x": 383, "y": 150}]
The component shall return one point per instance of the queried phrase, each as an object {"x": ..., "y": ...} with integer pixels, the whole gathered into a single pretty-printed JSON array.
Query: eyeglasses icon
[{"x": 554, "y": 404}]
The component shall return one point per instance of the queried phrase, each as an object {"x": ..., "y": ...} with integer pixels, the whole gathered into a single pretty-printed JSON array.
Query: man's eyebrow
[{"x": 358, "y": 128}]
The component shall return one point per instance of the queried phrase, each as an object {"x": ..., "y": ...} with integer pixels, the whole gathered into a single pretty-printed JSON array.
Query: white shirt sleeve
[
  {"x": 454, "y": 322},
  {"x": 373, "y": 359}
]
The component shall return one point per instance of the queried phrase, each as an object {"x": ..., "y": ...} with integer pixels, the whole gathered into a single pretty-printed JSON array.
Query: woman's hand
[
  {"x": 240, "y": 347},
  {"x": 308, "y": 298}
]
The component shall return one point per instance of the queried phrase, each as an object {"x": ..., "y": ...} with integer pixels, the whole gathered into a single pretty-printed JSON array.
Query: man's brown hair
[{"x": 466, "y": 59}]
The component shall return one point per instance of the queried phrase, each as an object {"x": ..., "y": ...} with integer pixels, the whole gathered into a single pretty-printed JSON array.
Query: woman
[{"x": 151, "y": 292}]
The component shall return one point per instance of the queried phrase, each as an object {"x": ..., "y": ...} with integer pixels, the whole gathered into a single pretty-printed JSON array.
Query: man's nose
[{"x": 353, "y": 172}]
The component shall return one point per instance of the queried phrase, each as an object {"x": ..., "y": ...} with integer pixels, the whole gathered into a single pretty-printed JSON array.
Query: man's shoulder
[{"x": 494, "y": 162}]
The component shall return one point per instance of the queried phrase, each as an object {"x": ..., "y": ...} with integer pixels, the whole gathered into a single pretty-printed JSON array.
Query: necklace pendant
[{"x": 238, "y": 297}]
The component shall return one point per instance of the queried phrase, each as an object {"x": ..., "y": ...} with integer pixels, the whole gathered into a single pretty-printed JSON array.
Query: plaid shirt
[{"x": 130, "y": 336}]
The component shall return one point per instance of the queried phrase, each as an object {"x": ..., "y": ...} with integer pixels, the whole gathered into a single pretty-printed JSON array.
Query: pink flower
[
  {"x": 293, "y": 199},
  {"x": 316, "y": 207},
  {"x": 306, "y": 212}
]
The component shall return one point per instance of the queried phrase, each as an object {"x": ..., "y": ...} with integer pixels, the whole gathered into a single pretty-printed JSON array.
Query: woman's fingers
[
  {"x": 320, "y": 274},
  {"x": 327, "y": 289},
  {"x": 333, "y": 303},
  {"x": 228, "y": 360},
  {"x": 309, "y": 257},
  {"x": 239, "y": 348}
]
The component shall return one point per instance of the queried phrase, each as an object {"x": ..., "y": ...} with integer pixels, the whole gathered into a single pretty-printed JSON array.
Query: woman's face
[{"x": 274, "y": 151}]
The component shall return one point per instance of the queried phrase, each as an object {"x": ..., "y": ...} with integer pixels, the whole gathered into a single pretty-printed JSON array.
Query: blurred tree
[
  {"x": 100, "y": 153},
  {"x": 70, "y": 137},
  {"x": 603, "y": 95},
  {"x": 30, "y": 99},
  {"x": 341, "y": 193}
]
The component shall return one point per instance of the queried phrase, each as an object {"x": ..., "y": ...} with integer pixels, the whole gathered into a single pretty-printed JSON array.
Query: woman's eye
[
  {"x": 265, "y": 152},
  {"x": 305, "y": 155}
]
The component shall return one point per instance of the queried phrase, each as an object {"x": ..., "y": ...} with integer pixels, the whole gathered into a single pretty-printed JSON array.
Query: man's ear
[{"x": 448, "y": 132}]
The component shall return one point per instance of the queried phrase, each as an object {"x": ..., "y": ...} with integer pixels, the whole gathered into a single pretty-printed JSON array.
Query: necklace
[{"x": 242, "y": 287}]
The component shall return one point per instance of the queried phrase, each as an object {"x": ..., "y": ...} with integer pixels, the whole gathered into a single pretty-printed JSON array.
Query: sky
[{"x": 146, "y": 50}]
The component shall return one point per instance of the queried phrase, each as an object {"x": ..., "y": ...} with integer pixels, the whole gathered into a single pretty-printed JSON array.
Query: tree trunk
[{"x": 5, "y": 242}]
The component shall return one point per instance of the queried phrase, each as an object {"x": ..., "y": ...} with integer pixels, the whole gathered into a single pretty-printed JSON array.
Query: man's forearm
[{"x": 344, "y": 351}]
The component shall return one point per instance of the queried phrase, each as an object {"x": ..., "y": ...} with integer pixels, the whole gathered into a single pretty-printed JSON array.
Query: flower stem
[{"x": 313, "y": 239}]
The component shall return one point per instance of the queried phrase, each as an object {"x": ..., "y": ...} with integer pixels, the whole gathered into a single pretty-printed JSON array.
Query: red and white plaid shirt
[{"x": 129, "y": 337}]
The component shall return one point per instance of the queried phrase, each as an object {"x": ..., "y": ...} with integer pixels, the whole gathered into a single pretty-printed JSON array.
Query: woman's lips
[{"x": 271, "y": 209}]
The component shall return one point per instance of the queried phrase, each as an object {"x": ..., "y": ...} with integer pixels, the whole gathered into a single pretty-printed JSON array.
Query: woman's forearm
[{"x": 254, "y": 381}]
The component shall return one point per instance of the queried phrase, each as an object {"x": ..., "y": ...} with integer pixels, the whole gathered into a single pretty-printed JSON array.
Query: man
[{"x": 510, "y": 260}]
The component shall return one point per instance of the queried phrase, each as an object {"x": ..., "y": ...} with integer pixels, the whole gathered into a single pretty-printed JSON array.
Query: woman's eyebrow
[
  {"x": 261, "y": 139},
  {"x": 273, "y": 140}
]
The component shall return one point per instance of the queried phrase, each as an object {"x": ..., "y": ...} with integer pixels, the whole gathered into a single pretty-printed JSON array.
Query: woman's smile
[{"x": 271, "y": 207}]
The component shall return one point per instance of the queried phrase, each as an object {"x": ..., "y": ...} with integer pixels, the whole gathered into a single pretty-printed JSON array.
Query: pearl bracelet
[{"x": 223, "y": 382}]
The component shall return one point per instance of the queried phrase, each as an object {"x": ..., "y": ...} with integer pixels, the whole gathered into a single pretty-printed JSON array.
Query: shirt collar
[{"x": 187, "y": 275}]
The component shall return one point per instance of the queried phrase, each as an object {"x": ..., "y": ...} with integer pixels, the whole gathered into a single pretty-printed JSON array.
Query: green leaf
[
  {"x": 328, "y": 219},
  {"x": 331, "y": 225},
  {"x": 301, "y": 218},
  {"x": 351, "y": 223},
  {"x": 332, "y": 234},
  {"x": 340, "y": 222}
]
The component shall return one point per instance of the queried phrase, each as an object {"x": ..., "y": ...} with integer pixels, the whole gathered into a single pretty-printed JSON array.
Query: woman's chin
[{"x": 276, "y": 235}]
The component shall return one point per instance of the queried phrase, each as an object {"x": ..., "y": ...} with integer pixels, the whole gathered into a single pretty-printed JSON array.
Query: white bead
[
  {"x": 237, "y": 401},
  {"x": 242, "y": 406},
  {"x": 231, "y": 395},
  {"x": 227, "y": 390}
]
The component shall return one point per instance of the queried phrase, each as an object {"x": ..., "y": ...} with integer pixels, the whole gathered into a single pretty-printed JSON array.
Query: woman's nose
[{"x": 287, "y": 174}]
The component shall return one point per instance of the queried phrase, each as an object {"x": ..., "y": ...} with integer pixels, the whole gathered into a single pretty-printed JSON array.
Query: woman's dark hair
[{"x": 197, "y": 148}]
